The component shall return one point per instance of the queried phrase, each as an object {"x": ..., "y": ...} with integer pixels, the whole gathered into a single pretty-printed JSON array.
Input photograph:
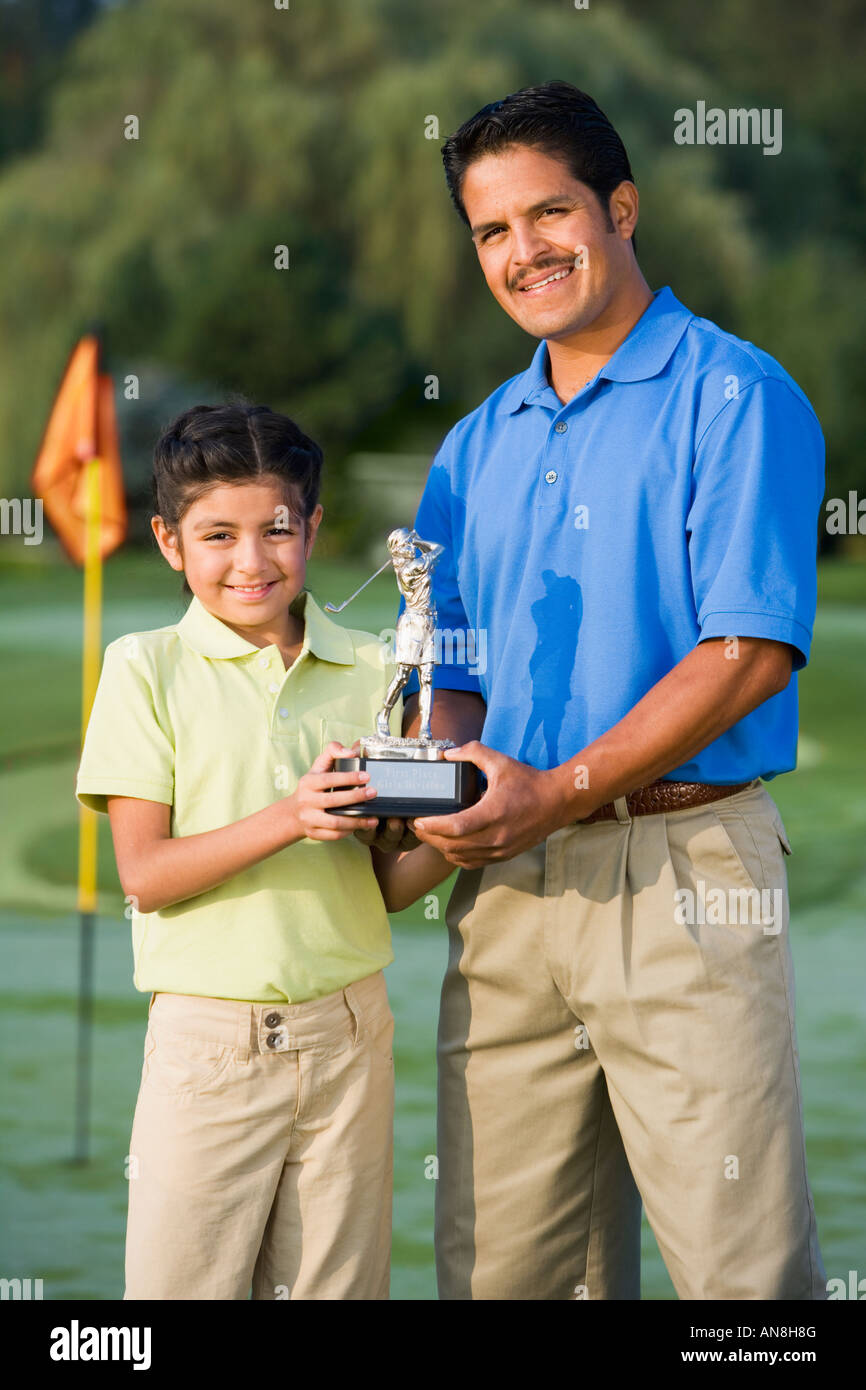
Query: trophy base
[
  {"x": 412, "y": 778},
  {"x": 405, "y": 749}
]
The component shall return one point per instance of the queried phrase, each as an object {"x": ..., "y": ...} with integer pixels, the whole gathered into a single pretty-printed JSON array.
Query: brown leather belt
[{"x": 666, "y": 796}]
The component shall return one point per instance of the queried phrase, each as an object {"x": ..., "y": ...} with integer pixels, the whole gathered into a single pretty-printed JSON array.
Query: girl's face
[{"x": 244, "y": 551}]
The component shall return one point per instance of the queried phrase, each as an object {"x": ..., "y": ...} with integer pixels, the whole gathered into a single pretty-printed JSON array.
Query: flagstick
[{"x": 88, "y": 823}]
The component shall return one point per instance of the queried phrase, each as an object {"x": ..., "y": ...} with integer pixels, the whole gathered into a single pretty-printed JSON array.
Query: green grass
[{"x": 65, "y": 1224}]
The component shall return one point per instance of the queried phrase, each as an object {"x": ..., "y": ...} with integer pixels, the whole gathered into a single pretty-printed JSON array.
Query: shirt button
[
  {"x": 284, "y": 713},
  {"x": 273, "y": 687},
  {"x": 561, "y": 427},
  {"x": 551, "y": 476},
  {"x": 271, "y": 1020},
  {"x": 263, "y": 661}
]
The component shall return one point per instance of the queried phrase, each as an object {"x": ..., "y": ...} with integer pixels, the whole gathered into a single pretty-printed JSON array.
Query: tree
[{"x": 307, "y": 129}]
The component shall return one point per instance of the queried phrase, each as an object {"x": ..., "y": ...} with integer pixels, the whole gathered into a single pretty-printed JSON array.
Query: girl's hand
[
  {"x": 312, "y": 797},
  {"x": 389, "y": 836}
]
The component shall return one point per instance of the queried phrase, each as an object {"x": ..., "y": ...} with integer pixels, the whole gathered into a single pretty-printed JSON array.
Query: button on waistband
[{"x": 278, "y": 1041}]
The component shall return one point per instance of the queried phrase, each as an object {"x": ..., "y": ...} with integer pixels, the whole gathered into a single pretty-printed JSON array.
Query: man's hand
[{"x": 519, "y": 809}]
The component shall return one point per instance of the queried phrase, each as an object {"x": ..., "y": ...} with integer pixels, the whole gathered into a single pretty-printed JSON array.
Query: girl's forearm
[
  {"x": 173, "y": 869},
  {"x": 407, "y": 876}
]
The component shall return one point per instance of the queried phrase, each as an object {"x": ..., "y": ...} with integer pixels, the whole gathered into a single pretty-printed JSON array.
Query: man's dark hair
[{"x": 556, "y": 118}]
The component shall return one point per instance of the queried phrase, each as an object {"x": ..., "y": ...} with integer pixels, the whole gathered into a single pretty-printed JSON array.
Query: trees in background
[{"x": 307, "y": 128}]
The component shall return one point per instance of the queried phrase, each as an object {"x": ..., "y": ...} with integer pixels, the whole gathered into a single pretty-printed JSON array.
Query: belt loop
[
  {"x": 622, "y": 812},
  {"x": 246, "y": 1026},
  {"x": 150, "y": 1005},
  {"x": 355, "y": 1010}
]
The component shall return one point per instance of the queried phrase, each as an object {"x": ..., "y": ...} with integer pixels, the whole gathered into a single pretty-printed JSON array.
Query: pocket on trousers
[
  {"x": 782, "y": 834},
  {"x": 737, "y": 843},
  {"x": 180, "y": 1064},
  {"x": 757, "y": 840},
  {"x": 379, "y": 1034}
]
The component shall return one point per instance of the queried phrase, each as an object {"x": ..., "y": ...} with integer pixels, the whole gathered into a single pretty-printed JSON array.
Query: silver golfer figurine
[{"x": 416, "y": 626}]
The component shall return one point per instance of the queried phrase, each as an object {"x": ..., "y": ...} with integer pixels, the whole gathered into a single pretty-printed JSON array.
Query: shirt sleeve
[
  {"x": 127, "y": 750},
  {"x": 753, "y": 521},
  {"x": 455, "y": 642}
]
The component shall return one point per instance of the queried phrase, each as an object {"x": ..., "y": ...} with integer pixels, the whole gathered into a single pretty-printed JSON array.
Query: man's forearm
[
  {"x": 689, "y": 708},
  {"x": 457, "y": 714}
]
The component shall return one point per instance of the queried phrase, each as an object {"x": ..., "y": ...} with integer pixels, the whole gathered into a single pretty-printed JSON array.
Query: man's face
[{"x": 530, "y": 220}]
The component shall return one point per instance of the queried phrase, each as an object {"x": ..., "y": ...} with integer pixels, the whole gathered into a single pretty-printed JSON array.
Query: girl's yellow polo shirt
[{"x": 195, "y": 716}]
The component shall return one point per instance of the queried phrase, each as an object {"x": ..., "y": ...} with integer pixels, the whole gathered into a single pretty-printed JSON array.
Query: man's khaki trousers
[
  {"x": 261, "y": 1155},
  {"x": 617, "y": 1024}
]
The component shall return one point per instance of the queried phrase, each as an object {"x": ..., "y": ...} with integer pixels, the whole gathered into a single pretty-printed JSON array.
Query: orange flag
[{"x": 82, "y": 425}]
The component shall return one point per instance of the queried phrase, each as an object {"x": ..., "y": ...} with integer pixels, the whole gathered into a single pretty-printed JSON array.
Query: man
[{"x": 632, "y": 522}]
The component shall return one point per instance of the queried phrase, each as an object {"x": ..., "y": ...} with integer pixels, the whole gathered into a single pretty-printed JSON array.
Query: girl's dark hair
[
  {"x": 211, "y": 444},
  {"x": 556, "y": 118}
]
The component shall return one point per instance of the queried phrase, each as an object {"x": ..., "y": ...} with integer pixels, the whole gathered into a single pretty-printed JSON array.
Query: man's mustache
[{"x": 540, "y": 270}]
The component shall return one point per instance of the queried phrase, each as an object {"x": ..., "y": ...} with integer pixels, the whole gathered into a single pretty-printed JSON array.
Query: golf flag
[
  {"x": 82, "y": 426},
  {"x": 78, "y": 476}
]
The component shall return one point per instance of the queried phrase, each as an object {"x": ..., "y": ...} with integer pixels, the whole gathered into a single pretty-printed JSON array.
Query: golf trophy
[{"x": 412, "y": 777}]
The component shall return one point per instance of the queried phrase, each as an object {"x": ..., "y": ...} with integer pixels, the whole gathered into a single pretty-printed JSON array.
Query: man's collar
[
  {"x": 210, "y": 636},
  {"x": 642, "y": 354}
]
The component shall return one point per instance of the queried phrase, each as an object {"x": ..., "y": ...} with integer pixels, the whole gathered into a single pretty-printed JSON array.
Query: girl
[{"x": 261, "y": 1150}]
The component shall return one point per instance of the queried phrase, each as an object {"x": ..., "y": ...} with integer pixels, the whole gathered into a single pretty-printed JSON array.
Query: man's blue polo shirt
[{"x": 590, "y": 546}]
